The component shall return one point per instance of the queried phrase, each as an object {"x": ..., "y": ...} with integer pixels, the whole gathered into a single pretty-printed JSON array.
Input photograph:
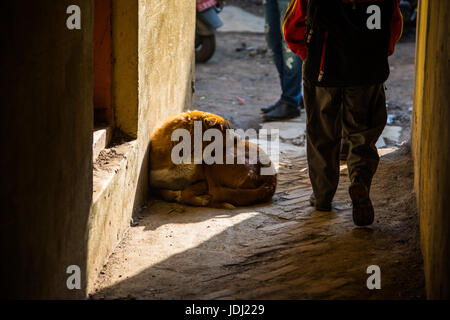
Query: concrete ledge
[
  {"x": 102, "y": 137},
  {"x": 114, "y": 188}
]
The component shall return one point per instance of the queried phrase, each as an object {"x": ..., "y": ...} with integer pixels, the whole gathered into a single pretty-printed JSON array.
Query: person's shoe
[
  {"x": 267, "y": 109},
  {"x": 363, "y": 213},
  {"x": 320, "y": 207},
  {"x": 281, "y": 112}
]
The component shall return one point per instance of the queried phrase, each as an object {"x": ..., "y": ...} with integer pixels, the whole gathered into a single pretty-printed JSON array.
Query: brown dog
[{"x": 216, "y": 185}]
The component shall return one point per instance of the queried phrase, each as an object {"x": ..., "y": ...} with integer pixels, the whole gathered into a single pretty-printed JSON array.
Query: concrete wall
[
  {"x": 55, "y": 211},
  {"x": 46, "y": 131},
  {"x": 431, "y": 142},
  {"x": 125, "y": 35},
  {"x": 153, "y": 71}
]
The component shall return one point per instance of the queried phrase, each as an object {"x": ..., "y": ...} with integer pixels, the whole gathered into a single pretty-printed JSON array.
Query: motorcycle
[{"x": 207, "y": 21}]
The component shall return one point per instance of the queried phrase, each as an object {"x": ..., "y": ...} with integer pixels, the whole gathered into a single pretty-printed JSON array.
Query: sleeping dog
[{"x": 222, "y": 185}]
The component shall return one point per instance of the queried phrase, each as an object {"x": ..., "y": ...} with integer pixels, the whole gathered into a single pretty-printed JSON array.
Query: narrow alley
[
  {"x": 95, "y": 96},
  {"x": 284, "y": 249}
]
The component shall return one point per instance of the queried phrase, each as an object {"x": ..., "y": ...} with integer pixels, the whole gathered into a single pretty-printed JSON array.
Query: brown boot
[{"x": 363, "y": 213}]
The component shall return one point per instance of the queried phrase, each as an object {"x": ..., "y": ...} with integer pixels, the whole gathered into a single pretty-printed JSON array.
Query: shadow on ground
[{"x": 283, "y": 250}]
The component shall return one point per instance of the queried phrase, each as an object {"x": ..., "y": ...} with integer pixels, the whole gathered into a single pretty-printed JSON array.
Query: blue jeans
[{"x": 289, "y": 65}]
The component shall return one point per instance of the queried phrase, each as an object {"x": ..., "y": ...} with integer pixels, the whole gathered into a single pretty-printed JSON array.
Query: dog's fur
[{"x": 216, "y": 185}]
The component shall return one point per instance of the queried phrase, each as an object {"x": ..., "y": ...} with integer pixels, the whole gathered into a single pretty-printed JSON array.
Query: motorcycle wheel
[{"x": 204, "y": 47}]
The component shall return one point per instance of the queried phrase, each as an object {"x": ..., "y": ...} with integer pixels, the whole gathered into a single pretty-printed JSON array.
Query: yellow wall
[
  {"x": 431, "y": 142},
  {"x": 125, "y": 65},
  {"x": 153, "y": 73}
]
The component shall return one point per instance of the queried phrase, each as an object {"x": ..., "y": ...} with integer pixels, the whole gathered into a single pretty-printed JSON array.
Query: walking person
[
  {"x": 288, "y": 64},
  {"x": 345, "y": 46}
]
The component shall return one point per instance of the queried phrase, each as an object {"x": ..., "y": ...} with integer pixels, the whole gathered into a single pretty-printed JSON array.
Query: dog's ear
[{"x": 209, "y": 122}]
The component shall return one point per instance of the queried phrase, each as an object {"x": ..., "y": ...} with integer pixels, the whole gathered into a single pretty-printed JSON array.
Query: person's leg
[
  {"x": 287, "y": 63},
  {"x": 344, "y": 145},
  {"x": 323, "y": 130},
  {"x": 291, "y": 82},
  {"x": 273, "y": 34},
  {"x": 364, "y": 118}
]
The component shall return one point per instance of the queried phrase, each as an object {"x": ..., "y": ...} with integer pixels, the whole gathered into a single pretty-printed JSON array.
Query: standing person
[
  {"x": 345, "y": 46},
  {"x": 288, "y": 64}
]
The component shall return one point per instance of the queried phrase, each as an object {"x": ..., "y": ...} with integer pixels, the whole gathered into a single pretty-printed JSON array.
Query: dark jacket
[{"x": 334, "y": 40}]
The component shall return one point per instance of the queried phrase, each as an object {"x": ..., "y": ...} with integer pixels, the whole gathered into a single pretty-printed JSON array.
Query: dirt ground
[
  {"x": 281, "y": 250},
  {"x": 284, "y": 249},
  {"x": 253, "y": 6}
]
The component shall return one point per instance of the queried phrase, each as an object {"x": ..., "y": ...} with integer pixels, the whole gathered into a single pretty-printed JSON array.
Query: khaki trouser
[{"x": 357, "y": 112}]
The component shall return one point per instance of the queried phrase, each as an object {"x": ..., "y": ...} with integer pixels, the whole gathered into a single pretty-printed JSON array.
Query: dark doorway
[{"x": 103, "y": 115}]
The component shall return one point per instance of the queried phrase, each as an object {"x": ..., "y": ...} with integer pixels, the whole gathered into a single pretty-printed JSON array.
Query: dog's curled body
[{"x": 216, "y": 185}]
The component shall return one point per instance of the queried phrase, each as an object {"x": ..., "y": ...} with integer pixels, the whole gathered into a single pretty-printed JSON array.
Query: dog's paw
[
  {"x": 228, "y": 206},
  {"x": 222, "y": 205},
  {"x": 177, "y": 195},
  {"x": 203, "y": 200}
]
